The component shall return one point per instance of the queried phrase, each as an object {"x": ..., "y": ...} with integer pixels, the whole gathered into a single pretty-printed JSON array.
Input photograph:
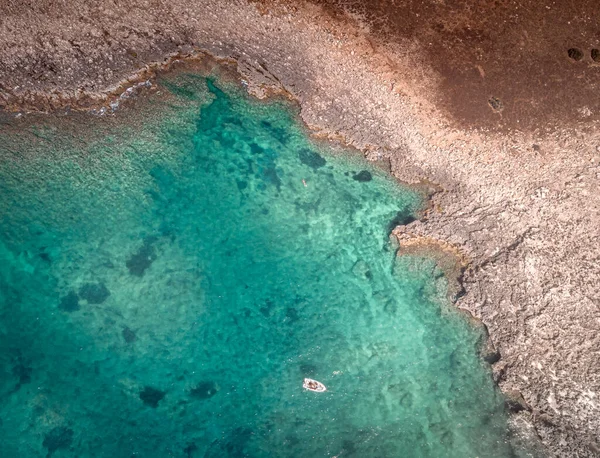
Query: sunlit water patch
[{"x": 165, "y": 287}]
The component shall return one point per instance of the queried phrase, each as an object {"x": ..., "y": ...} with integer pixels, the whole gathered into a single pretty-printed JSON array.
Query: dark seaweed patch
[
  {"x": 279, "y": 133},
  {"x": 94, "y": 293},
  {"x": 363, "y": 176},
  {"x": 407, "y": 400},
  {"x": 57, "y": 438},
  {"x": 22, "y": 371},
  {"x": 270, "y": 175},
  {"x": 266, "y": 309},
  {"x": 190, "y": 450},
  {"x": 69, "y": 303},
  {"x": 204, "y": 390},
  {"x": 291, "y": 315},
  {"x": 308, "y": 207},
  {"x": 232, "y": 120},
  {"x": 128, "y": 335},
  {"x": 142, "y": 260},
  {"x": 151, "y": 396},
  {"x": 390, "y": 307},
  {"x": 311, "y": 158},
  {"x": 255, "y": 149},
  {"x": 185, "y": 87},
  {"x": 348, "y": 447}
]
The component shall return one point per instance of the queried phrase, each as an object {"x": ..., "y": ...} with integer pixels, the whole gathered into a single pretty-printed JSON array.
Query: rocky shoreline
[{"x": 519, "y": 204}]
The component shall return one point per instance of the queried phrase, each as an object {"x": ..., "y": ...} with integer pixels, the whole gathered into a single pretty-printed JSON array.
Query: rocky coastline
[{"x": 518, "y": 206}]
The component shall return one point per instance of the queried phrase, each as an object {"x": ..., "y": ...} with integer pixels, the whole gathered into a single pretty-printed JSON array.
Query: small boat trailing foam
[{"x": 313, "y": 385}]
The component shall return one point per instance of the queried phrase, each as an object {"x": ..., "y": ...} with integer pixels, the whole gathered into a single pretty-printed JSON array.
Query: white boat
[{"x": 313, "y": 385}]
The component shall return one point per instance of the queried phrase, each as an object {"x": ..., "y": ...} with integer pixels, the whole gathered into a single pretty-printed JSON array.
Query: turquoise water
[{"x": 166, "y": 283}]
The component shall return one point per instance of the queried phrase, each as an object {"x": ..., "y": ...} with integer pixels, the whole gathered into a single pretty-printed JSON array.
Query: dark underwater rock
[
  {"x": 57, "y": 438},
  {"x": 279, "y": 133},
  {"x": 363, "y": 176},
  {"x": 266, "y": 309},
  {"x": 291, "y": 315},
  {"x": 142, "y": 260},
  {"x": 22, "y": 372},
  {"x": 407, "y": 400},
  {"x": 151, "y": 396},
  {"x": 255, "y": 149},
  {"x": 70, "y": 302},
  {"x": 190, "y": 450},
  {"x": 311, "y": 158},
  {"x": 348, "y": 447},
  {"x": 204, "y": 390},
  {"x": 94, "y": 293},
  {"x": 270, "y": 176},
  {"x": 128, "y": 335}
]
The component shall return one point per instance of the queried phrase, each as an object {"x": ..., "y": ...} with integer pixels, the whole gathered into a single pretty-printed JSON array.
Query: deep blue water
[{"x": 167, "y": 280}]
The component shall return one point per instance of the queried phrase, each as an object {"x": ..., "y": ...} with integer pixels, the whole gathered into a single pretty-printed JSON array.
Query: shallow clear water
[{"x": 166, "y": 285}]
